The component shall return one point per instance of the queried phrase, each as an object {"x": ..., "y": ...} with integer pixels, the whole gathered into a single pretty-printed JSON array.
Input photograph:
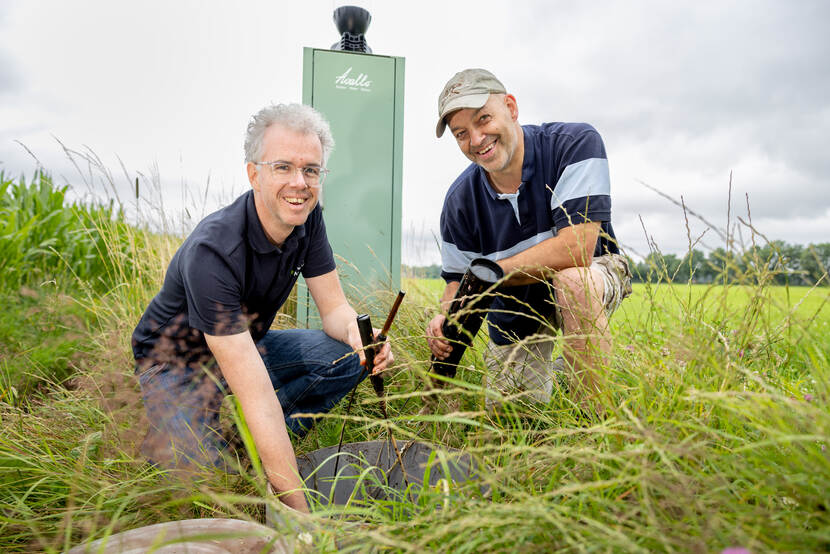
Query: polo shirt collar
[
  {"x": 256, "y": 234},
  {"x": 528, "y": 165}
]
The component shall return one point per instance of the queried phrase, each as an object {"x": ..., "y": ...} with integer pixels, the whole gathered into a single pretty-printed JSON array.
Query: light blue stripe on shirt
[
  {"x": 586, "y": 178},
  {"x": 457, "y": 261}
]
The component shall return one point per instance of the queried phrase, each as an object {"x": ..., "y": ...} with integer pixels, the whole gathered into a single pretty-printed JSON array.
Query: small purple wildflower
[
  {"x": 629, "y": 347},
  {"x": 741, "y": 353},
  {"x": 735, "y": 550},
  {"x": 808, "y": 397}
]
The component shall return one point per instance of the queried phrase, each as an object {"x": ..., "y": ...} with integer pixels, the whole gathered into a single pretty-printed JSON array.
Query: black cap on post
[{"x": 352, "y": 23}]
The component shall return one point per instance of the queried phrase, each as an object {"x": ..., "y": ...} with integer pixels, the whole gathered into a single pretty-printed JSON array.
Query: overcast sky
[{"x": 682, "y": 93}]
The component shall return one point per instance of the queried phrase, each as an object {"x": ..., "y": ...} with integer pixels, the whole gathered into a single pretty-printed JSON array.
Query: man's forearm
[
  {"x": 277, "y": 452},
  {"x": 336, "y": 323},
  {"x": 245, "y": 372},
  {"x": 572, "y": 247},
  {"x": 448, "y": 295}
]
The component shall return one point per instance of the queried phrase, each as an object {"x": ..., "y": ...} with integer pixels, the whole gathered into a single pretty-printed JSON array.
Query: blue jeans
[{"x": 310, "y": 370}]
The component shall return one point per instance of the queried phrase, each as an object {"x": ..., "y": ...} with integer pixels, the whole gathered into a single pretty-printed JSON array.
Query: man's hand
[
  {"x": 439, "y": 346},
  {"x": 340, "y": 319},
  {"x": 383, "y": 355}
]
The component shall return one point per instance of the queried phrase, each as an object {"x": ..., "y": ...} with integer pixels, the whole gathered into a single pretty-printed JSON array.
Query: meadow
[{"x": 715, "y": 431}]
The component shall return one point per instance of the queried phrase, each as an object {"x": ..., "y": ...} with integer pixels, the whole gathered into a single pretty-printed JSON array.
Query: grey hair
[{"x": 297, "y": 117}]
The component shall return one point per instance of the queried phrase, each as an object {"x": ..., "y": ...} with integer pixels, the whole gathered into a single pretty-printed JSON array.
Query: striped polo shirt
[{"x": 565, "y": 181}]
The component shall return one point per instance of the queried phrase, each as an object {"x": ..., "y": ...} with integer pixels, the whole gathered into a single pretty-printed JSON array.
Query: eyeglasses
[{"x": 313, "y": 175}]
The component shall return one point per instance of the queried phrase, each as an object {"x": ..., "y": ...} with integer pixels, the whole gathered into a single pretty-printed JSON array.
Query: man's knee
[{"x": 579, "y": 285}]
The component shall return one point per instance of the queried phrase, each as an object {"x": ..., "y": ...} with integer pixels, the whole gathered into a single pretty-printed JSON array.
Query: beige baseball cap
[{"x": 466, "y": 89}]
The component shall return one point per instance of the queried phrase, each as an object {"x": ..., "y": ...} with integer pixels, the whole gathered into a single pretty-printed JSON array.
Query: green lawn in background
[{"x": 674, "y": 299}]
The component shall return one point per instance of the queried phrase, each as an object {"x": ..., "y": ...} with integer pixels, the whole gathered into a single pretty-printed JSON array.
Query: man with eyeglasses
[
  {"x": 206, "y": 333},
  {"x": 536, "y": 200}
]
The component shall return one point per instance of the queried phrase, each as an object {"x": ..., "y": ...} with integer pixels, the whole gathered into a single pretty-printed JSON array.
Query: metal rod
[
  {"x": 364, "y": 325},
  {"x": 391, "y": 317},
  {"x": 342, "y": 431}
]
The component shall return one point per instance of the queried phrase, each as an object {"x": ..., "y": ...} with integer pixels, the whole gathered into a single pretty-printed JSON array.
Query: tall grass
[
  {"x": 63, "y": 264},
  {"x": 715, "y": 433},
  {"x": 45, "y": 238}
]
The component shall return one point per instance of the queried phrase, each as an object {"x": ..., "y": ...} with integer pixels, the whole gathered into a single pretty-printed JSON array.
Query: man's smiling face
[
  {"x": 488, "y": 136},
  {"x": 283, "y": 204}
]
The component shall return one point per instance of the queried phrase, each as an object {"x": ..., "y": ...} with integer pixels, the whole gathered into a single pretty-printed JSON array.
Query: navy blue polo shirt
[
  {"x": 225, "y": 278},
  {"x": 565, "y": 181}
]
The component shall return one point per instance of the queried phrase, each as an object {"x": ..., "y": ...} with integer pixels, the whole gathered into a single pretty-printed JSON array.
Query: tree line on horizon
[{"x": 782, "y": 264}]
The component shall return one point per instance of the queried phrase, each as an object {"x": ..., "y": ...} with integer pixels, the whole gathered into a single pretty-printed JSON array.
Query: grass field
[
  {"x": 715, "y": 435},
  {"x": 799, "y": 302}
]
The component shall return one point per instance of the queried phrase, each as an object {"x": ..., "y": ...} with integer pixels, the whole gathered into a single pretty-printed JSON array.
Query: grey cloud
[
  {"x": 9, "y": 76},
  {"x": 702, "y": 86}
]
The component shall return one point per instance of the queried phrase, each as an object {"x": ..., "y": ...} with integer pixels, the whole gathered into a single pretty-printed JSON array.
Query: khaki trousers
[{"x": 524, "y": 368}]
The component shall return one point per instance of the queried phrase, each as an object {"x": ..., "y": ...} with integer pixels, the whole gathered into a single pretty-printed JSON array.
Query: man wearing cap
[{"x": 536, "y": 200}]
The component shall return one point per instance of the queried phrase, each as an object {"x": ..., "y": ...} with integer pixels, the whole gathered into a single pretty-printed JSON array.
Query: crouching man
[
  {"x": 206, "y": 333},
  {"x": 536, "y": 199}
]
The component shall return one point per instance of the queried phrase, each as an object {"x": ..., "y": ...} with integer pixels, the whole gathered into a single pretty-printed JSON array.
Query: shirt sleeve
[
  {"x": 319, "y": 257},
  {"x": 213, "y": 292},
  {"x": 583, "y": 189},
  {"x": 454, "y": 260}
]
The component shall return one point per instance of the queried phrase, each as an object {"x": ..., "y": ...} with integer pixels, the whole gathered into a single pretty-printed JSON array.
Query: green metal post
[{"x": 362, "y": 97}]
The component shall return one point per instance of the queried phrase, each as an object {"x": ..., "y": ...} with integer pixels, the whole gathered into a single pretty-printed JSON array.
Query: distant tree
[
  {"x": 815, "y": 262},
  {"x": 759, "y": 264},
  {"x": 671, "y": 265},
  {"x": 422, "y": 272},
  {"x": 659, "y": 266},
  {"x": 724, "y": 265},
  {"x": 637, "y": 270},
  {"x": 693, "y": 267},
  {"x": 433, "y": 272},
  {"x": 777, "y": 263},
  {"x": 791, "y": 263}
]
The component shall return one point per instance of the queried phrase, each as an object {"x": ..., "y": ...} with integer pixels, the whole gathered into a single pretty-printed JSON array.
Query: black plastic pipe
[{"x": 467, "y": 311}]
